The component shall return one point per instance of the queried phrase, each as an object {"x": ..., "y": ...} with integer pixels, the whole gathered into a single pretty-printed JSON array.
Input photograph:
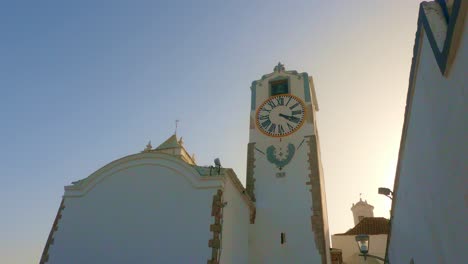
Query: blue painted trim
[
  {"x": 441, "y": 56},
  {"x": 305, "y": 76},
  {"x": 443, "y": 4},
  {"x": 253, "y": 88}
]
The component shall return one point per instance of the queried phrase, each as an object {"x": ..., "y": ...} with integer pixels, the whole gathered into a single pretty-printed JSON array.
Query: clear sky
[{"x": 86, "y": 82}]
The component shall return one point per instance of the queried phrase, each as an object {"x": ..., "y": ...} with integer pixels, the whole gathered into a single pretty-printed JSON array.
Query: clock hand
[{"x": 290, "y": 118}]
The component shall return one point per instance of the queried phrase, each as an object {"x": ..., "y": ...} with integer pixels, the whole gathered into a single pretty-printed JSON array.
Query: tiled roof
[{"x": 370, "y": 226}]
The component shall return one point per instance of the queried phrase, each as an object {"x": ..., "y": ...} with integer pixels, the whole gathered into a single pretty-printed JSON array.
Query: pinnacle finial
[
  {"x": 148, "y": 147},
  {"x": 181, "y": 141},
  {"x": 279, "y": 67}
]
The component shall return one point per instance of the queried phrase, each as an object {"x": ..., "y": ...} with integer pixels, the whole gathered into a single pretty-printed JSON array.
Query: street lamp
[
  {"x": 363, "y": 245},
  {"x": 386, "y": 191}
]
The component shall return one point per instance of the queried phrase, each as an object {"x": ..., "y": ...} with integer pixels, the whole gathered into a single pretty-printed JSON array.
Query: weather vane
[{"x": 176, "y": 125}]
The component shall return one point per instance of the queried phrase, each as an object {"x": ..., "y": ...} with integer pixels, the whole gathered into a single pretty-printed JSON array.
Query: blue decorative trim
[
  {"x": 305, "y": 76},
  {"x": 443, "y": 4},
  {"x": 271, "y": 156},
  {"x": 253, "y": 88},
  {"x": 441, "y": 56}
]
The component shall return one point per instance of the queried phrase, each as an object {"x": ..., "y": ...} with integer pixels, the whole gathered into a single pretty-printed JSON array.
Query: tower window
[
  {"x": 279, "y": 87},
  {"x": 283, "y": 238}
]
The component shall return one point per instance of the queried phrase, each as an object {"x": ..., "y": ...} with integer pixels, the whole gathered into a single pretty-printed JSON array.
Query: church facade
[{"x": 159, "y": 206}]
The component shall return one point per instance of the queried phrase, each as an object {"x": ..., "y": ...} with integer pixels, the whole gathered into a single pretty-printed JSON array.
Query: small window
[
  {"x": 279, "y": 87},
  {"x": 283, "y": 238}
]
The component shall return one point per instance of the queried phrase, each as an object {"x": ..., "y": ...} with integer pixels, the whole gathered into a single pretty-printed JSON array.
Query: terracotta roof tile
[{"x": 370, "y": 226}]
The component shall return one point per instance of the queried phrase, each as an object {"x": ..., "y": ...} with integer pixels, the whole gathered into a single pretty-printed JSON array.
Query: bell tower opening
[{"x": 279, "y": 87}]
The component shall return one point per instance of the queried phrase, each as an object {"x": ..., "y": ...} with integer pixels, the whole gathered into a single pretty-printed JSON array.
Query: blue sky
[{"x": 84, "y": 83}]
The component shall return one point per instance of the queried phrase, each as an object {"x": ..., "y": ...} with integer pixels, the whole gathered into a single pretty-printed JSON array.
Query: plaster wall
[
  {"x": 283, "y": 205},
  {"x": 351, "y": 252},
  {"x": 430, "y": 218},
  {"x": 141, "y": 213},
  {"x": 235, "y": 226}
]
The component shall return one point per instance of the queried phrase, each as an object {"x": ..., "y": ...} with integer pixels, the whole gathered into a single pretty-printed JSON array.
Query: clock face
[{"x": 280, "y": 115}]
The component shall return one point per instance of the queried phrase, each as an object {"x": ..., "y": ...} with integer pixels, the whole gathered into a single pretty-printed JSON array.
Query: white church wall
[
  {"x": 236, "y": 215},
  {"x": 350, "y": 251},
  {"x": 430, "y": 210},
  {"x": 141, "y": 212}
]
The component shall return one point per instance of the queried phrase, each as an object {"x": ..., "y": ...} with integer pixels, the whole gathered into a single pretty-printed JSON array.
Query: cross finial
[
  {"x": 279, "y": 67},
  {"x": 176, "y": 125}
]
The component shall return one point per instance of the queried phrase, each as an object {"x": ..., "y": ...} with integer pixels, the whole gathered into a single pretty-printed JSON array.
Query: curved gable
[{"x": 166, "y": 161}]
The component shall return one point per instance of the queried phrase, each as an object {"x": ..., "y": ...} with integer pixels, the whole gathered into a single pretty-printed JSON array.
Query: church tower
[
  {"x": 284, "y": 172},
  {"x": 362, "y": 210}
]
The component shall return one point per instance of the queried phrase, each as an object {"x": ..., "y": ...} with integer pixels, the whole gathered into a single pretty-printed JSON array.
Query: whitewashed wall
[
  {"x": 430, "y": 221},
  {"x": 283, "y": 205},
  {"x": 236, "y": 215},
  {"x": 146, "y": 208}
]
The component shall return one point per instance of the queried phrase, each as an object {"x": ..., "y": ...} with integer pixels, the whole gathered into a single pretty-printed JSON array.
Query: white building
[
  {"x": 365, "y": 223},
  {"x": 430, "y": 204},
  {"x": 158, "y": 206}
]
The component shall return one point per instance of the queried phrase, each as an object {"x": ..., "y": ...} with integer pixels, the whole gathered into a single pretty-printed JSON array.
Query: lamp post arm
[{"x": 376, "y": 257}]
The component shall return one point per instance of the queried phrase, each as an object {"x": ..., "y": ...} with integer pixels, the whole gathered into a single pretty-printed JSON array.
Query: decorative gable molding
[{"x": 81, "y": 187}]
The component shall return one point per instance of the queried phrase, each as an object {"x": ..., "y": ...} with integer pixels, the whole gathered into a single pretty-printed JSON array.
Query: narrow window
[
  {"x": 283, "y": 238},
  {"x": 279, "y": 87}
]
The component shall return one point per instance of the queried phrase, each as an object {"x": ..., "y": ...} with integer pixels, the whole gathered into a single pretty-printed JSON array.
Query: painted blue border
[
  {"x": 443, "y": 4},
  {"x": 305, "y": 76},
  {"x": 441, "y": 56},
  {"x": 253, "y": 88}
]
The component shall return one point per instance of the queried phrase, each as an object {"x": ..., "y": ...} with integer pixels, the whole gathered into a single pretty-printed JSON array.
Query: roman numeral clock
[
  {"x": 284, "y": 175},
  {"x": 280, "y": 115}
]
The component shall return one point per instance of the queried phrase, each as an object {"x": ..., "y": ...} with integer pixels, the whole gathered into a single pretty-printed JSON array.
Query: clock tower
[{"x": 284, "y": 172}]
